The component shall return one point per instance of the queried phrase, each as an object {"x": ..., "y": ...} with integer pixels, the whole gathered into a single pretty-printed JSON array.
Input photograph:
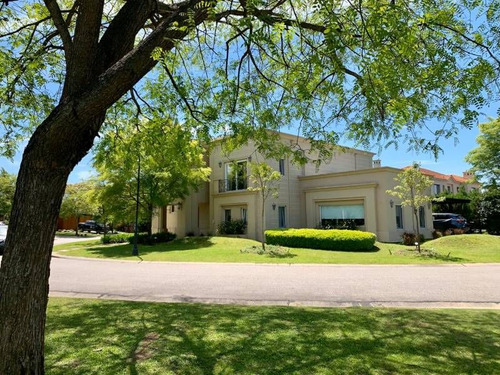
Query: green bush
[
  {"x": 232, "y": 227},
  {"x": 349, "y": 224},
  {"x": 146, "y": 239},
  {"x": 115, "y": 238},
  {"x": 409, "y": 239},
  {"x": 142, "y": 239},
  {"x": 330, "y": 239}
]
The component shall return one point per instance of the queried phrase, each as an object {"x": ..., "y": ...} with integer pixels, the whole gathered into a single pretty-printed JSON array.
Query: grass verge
[
  {"x": 470, "y": 248},
  {"x": 112, "y": 337}
]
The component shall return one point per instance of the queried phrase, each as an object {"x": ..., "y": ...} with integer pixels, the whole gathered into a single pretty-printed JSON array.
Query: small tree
[
  {"x": 413, "y": 191},
  {"x": 264, "y": 180},
  {"x": 485, "y": 158},
  {"x": 7, "y": 189},
  {"x": 78, "y": 201}
]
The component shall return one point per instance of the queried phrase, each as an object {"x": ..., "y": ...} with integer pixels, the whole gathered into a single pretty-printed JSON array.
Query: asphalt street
[{"x": 470, "y": 285}]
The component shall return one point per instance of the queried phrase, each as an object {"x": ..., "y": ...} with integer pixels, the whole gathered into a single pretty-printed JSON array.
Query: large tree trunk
[
  {"x": 39, "y": 191},
  {"x": 99, "y": 72}
]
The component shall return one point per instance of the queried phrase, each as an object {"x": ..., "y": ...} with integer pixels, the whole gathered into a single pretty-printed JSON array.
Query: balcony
[{"x": 233, "y": 185}]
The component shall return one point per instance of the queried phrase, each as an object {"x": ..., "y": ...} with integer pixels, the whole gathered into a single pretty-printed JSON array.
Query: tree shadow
[
  {"x": 99, "y": 337},
  {"x": 125, "y": 250}
]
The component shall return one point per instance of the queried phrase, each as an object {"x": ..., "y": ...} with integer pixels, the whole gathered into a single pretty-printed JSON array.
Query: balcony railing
[{"x": 233, "y": 185}]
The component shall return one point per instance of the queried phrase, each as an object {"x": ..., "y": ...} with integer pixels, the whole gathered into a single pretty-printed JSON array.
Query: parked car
[
  {"x": 3, "y": 235},
  {"x": 445, "y": 221},
  {"x": 91, "y": 226}
]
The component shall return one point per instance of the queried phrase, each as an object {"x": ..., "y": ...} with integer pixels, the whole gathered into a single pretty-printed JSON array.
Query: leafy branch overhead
[{"x": 372, "y": 70}]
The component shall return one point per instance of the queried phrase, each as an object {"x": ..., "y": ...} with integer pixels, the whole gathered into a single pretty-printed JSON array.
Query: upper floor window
[
  {"x": 436, "y": 189},
  {"x": 235, "y": 175},
  {"x": 282, "y": 166}
]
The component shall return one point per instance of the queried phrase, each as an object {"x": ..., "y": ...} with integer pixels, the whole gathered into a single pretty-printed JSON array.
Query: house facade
[
  {"x": 451, "y": 182},
  {"x": 351, "y": 185}
]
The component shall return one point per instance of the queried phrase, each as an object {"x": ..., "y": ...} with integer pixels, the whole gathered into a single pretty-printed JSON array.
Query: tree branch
[{"x": 60, "y": 24}]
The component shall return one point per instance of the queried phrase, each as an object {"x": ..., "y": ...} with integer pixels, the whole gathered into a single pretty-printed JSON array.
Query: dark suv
[
  {"x": 91, "y": 226},
  {"x": 445, "y": 221}
]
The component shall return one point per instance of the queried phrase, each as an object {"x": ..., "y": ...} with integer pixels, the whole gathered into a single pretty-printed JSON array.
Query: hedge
[
  {"x": 142, "y": 238},
  {"x": 324, "y": 239}
]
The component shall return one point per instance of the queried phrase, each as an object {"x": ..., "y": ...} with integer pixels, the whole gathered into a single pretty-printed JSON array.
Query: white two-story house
[{"x": 351, "y": 185}]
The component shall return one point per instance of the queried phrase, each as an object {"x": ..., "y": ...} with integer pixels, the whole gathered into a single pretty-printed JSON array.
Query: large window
[
  {"x": 235, "y": 175},
  {"x": 282, "y": 216},
  {"x": 436, "y": 189},
  {"x": 336, "y": 214},
  {"x": 399, "y": 216},
  {"x": 421, "y": 216}
]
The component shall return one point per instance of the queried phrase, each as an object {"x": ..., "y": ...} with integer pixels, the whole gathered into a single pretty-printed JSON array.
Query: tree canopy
[
  {"x": 371, "y": 70},
  {"x": 485, "y": 158},
  {"x": 171, "y": 165},
  {"x": 78, "y": 201},
  {"x": 7, "y": 190}
]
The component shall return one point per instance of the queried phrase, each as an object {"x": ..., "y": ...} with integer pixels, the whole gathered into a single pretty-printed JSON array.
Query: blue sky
[{"x": 450, "y": 162}]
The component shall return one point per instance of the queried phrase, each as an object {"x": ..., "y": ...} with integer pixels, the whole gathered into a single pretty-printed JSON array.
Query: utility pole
[{"x": 135, "y": 249}]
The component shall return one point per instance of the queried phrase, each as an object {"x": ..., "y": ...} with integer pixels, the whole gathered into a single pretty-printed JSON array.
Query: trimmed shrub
[
  {"x": 324, "y": 239},
  {"x": 349, "y": 224},
  {"x": 115, "y": 238},
  {"x": 146, "y": 239},
  {"x": 232, "y": 227},
  {"x": 409, "y": 239}
]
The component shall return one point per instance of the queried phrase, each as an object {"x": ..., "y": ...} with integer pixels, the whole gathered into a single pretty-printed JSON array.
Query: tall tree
[
  {"x": 264, "y": 180},
  {"x": 485, "y": 158},
  {"x": 377, "y": 69},
  {"x": 7, "y": 189},
  {"x": 172, "y": 164},
  {"x": 78, "y": 200},
  {"x": 414, "y": 191}
]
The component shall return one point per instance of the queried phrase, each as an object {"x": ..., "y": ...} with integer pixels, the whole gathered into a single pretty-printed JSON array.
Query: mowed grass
[
  {"x": 113, "y": 337},
  {"x": 471, "y": 248}
]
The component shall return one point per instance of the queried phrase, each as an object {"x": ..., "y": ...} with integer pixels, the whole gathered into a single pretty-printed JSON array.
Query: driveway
[
  {"x": 58, "y": 240},
  {"x": 473, "y": 286}
]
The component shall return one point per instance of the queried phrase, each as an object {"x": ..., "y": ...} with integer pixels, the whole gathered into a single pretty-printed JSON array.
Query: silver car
[{"x": 3, "y": 235}]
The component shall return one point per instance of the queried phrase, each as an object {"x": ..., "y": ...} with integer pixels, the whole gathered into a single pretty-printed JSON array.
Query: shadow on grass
[
  {"x": 103, "y": 337},
  {"x": 125, "y": 250}
]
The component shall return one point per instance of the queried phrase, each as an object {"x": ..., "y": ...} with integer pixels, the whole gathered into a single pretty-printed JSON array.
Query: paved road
[{"x": 312, "y": 285}]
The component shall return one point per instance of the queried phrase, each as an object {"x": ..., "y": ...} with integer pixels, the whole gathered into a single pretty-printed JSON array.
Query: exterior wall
[
  {"x": 348, "y": 177},
  {"x": 369, "y": 186},
  {"x": 189, "y": 216},
  {"x": 290, "y": 195}
]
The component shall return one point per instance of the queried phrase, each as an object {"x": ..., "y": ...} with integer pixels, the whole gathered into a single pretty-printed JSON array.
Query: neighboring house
[
  {"x": 451, "y": 182},
  {"x": 349, "y": 186}
]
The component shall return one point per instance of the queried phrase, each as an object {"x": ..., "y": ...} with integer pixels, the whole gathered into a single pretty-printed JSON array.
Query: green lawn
[
  {"x": 112, "y": 337},
  {"x": 475, "y": 248}
]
